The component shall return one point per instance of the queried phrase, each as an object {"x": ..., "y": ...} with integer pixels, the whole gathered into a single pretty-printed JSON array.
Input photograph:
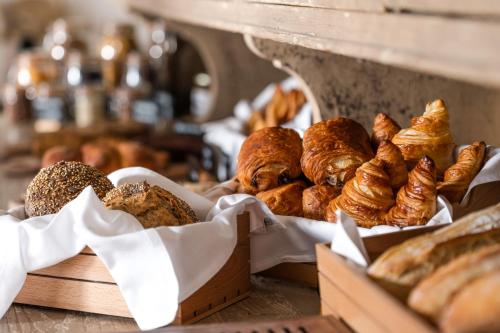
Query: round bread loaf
[
  {"x": 60, "y": 153},
  {"x": 101, "y": 156},
  {"x": 153, "y": 206},
  {"x": 55, "y": 186}
]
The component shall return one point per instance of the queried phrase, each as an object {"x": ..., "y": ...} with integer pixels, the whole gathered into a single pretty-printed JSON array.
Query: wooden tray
[
  {"x": 351, "y": 296},
  {"x": 83, "y": 283}
]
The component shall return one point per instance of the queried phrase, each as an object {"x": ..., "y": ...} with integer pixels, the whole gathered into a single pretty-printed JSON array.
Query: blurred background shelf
[{"x": 456, "y": 39}]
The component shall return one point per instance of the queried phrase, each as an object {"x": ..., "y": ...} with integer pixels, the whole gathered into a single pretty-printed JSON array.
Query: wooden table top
[{"x": 270, "y": 298}]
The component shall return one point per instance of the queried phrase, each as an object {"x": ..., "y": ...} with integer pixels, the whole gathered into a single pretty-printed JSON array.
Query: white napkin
[
  {"x": 155, "y": 269},
  {"x": 296, "y": 237}
]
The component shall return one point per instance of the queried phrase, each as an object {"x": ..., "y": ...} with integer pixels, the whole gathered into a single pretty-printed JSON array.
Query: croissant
[
  {"x": 428, "y": 135},
  {"x": 416, "y": 201},
  {"x": 315, "y": 199},
  {"x": 458, "y": 177},
  {"x": 394, "y": 163},
  {"x": 285, "y": 199},
  {"x": 333, "y": 150},
  {"x": 268, "y": 158},
  {"x": 384, "y": 128},
  {"x": 366, "y": 197}
]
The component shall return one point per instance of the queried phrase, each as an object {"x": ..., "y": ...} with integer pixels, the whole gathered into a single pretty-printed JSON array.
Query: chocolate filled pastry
[
  {"x": 366, "y": 197},
  {"x": 429, "y": 135},
  {"x": 153, "y": 206},
  {"x": 416, "y": 201},
  {"x": 55, "y": 186},
  {"x": 269, "y": 158},
  {"x": 458, "y": 177},
  {"x": 315, "y": 199},
  {"x": 101, "y": 156},
  {"x": 60, "y": 153},
  {"x": 394, "y": 163},
  {"x": 285, "y": 199},
  {"x": 384, "y": 128},
  {"x": 333, "y": 150},
  {"x": 432, "y": 294}
]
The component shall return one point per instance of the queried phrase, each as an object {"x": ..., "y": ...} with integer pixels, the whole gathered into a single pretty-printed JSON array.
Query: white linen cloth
[
  {"x": 228, "y": 134},
  {"x": 155, "y": 269}
]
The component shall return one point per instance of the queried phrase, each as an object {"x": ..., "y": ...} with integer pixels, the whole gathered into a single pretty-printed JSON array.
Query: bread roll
[
  {"x": 55, "y": 186},
  {"x": 476, "y": 308},
  {"x": 269, "y": 158},
  {"x": 60, "y": 153},
  {"x": 285, "y": 199},
  {"x": 153, "y": 206},
  {"x": 437, "y": 290},
  {"x": 406, "y": 264},
  {"x": 101, "y": 156},
  {"x": 333, "y": 150},
  {"x": 315, "y": 199}
]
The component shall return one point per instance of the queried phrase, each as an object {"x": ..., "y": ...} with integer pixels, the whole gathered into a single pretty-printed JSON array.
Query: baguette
[
  {"x": 434, "y": 292},
  {"x": 406, "y": 264},
  {"x": 476, "y": 308}
]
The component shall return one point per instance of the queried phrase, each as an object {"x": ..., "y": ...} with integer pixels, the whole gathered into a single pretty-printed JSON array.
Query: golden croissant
[
  {"x": 268, "y": 158},
  {"x": 384, "y": 128},
  {"x": 366, "y": 197},
  {"x": 458, "y": 177},
  {"x": 429, "y": 135},
  {"x": 416, "y": 201},
  {"x": 285, "y": 199},
  {"x": 315, "y": 199},
  {"x": 394, "y": 163},
  {"x": 333, "y": 150}
]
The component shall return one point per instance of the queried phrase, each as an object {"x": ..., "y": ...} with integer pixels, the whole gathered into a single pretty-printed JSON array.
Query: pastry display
[
  {"x": 55, "y": 186},
  {"x": 60, "y": 153},
  {"x": 333, "y": 150},
  {"x": 101, "y": 156},
  {"x": 384, "y": 128},
  {"x": 429, "y": 135},
  {"x": 268, "y": 158},
  {"x": 458, "y": 177},
  {"x": 282, "y": 108},
  {"x": 409, "y": 262},
  {"x": 394, "y": 163},
  {"x": 315, "y": 199},
  {"x": 416, "y": 201},
  {"x": 433, "y": 293},
  {"x": 367, "y": 197},
  {"x": 285, "y": 199},
  {"x": 153, "y": 206}
]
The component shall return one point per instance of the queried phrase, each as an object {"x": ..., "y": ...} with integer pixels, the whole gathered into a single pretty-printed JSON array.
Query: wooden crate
[
  {"x": 351, "y": 296},
  {"x": 83, "y": 283},
  {"x": 301, "y": 272}
]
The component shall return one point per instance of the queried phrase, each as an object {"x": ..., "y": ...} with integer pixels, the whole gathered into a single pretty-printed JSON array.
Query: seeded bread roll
[
  {"x": 55, "y": 186},
  {"x": 153, "y": 206}
]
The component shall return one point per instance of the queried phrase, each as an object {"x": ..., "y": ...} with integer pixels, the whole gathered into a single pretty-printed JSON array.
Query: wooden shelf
[{"x": 459, "y": 39}]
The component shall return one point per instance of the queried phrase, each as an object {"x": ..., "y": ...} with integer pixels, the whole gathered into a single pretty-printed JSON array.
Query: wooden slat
[
  {"x": 454, "y": 47},
  {"x": 447, "y": 7},
  {"x": 370, "y": 298},
  {"x": 75, "y": 295},
  {"x": 362, "y": 5},
  {"x": 83, "y": 267},
  {"x": 305, "y": 273}
]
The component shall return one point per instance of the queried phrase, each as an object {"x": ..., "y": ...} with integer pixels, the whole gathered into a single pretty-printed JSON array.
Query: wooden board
[
  {"x": 347, "y": 292},
  {"x": 82, "y": 283},
  {"x": 305, "y": 273},
  {"x": 430, "y": 39}
]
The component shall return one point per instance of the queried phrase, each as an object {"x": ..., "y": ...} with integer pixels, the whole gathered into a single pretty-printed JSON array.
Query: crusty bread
[
  {"x": 153, "y": 206},
  {"x": 434, "y": 292},
  {"x": 476, "y": 308},
  {"x": 406, "y": 264},
  {"x": 55, "y": 186}
]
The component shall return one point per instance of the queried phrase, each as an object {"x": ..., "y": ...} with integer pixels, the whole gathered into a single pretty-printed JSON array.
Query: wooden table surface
[{"x": 270, "y": 298}]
